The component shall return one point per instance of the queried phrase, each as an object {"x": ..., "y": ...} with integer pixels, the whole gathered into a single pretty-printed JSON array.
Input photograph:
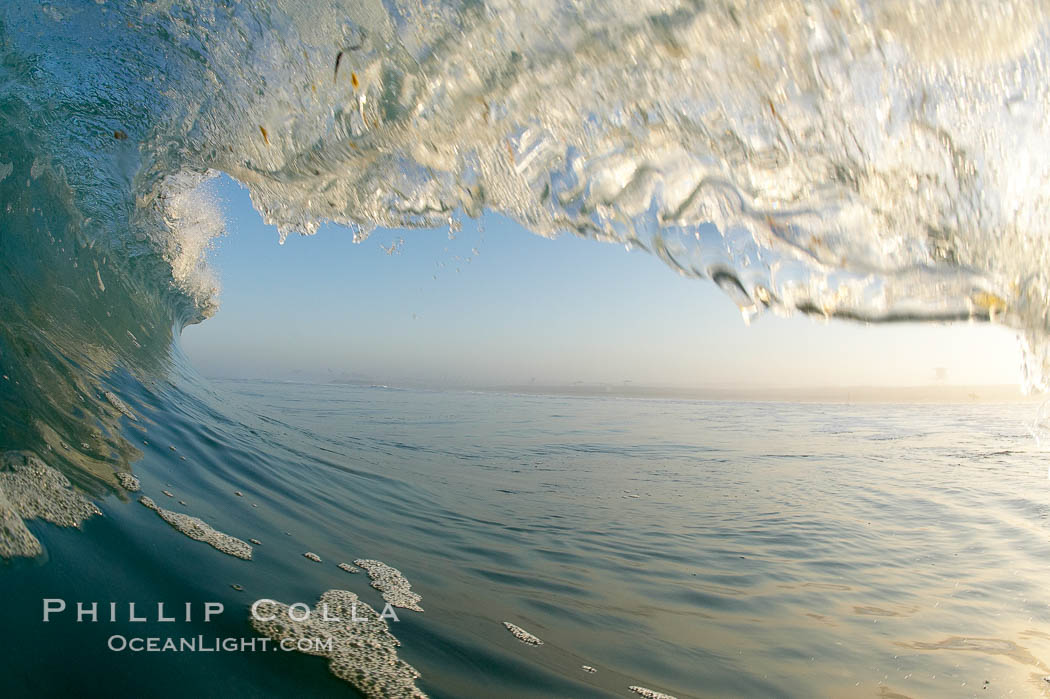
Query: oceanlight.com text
[{"x": 202, "y": 644}]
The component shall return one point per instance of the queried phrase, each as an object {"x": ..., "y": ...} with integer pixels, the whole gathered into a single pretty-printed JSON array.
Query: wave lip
[{"x": 829, "y": 157}]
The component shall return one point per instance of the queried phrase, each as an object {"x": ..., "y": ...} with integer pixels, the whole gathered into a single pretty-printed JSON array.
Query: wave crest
[{"x": 867, "y": 160}]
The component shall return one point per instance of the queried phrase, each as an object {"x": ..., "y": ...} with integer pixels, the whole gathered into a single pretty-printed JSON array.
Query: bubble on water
[
  {"x": 650, "y": 693},
  {"x": 129, "y": 482},
  {"x": 120, "y": 405},
  {"x": 15, "y": 538},
  {"x": 199, "y": 530},
  {"x": 523, "y": 635},
  {"x": 362, "y": 650},
  {"x": 395, "y": 587},
  {"x": 30, "y": 489}
]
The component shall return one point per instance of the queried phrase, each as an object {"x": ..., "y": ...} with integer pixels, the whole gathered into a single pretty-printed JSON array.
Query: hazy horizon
[{"x": 928, "y": 393}]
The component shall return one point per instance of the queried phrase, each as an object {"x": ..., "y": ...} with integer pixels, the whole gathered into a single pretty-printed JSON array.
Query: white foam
[
  {"x": 363, "y": 651},
  {"x": 129, "y": 482},
  {"x": 30, "y": 489},
  {"x": 199, "y": 530},
  {"x": 523, "y": 635},
  {"x": 395, "y": 587},
  {"x": 650, "y": 693},
  {"x": 120, "y": 405},
  {"x": 188, "y": 219}
]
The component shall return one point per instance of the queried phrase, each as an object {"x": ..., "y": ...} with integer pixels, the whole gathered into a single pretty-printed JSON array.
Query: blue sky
[{"x": 497, "y": 305}]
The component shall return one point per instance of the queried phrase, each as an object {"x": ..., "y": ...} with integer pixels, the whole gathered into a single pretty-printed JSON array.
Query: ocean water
[
  {"x": 875, "y": 160},
  {"x": 866, "y": 159},
  {"x": 695, "y": 548}
]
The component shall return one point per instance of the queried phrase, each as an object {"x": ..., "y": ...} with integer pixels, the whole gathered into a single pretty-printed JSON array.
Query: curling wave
[{"x": 880, "y": 160}]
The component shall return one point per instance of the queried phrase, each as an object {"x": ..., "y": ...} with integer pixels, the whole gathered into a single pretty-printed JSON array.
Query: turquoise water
[{"x": 695, "y": 548}]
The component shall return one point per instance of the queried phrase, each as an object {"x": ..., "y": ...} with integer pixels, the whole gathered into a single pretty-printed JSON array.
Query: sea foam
[
  {"x": 363, "y": 651},
  {"x": 30, "y": 489},
  {"x": 199, "y": 530},
  {"x": 395, "y": 587}
]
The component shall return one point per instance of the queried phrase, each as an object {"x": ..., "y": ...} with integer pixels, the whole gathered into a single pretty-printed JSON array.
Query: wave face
[{"x": 868, "y": 160}]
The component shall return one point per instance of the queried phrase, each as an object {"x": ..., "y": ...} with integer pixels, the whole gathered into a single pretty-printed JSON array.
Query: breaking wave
[{"x": 878, "y": 161}]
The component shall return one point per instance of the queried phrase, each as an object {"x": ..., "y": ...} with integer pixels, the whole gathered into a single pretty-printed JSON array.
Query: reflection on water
[{"x": 699, "y": 549}]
